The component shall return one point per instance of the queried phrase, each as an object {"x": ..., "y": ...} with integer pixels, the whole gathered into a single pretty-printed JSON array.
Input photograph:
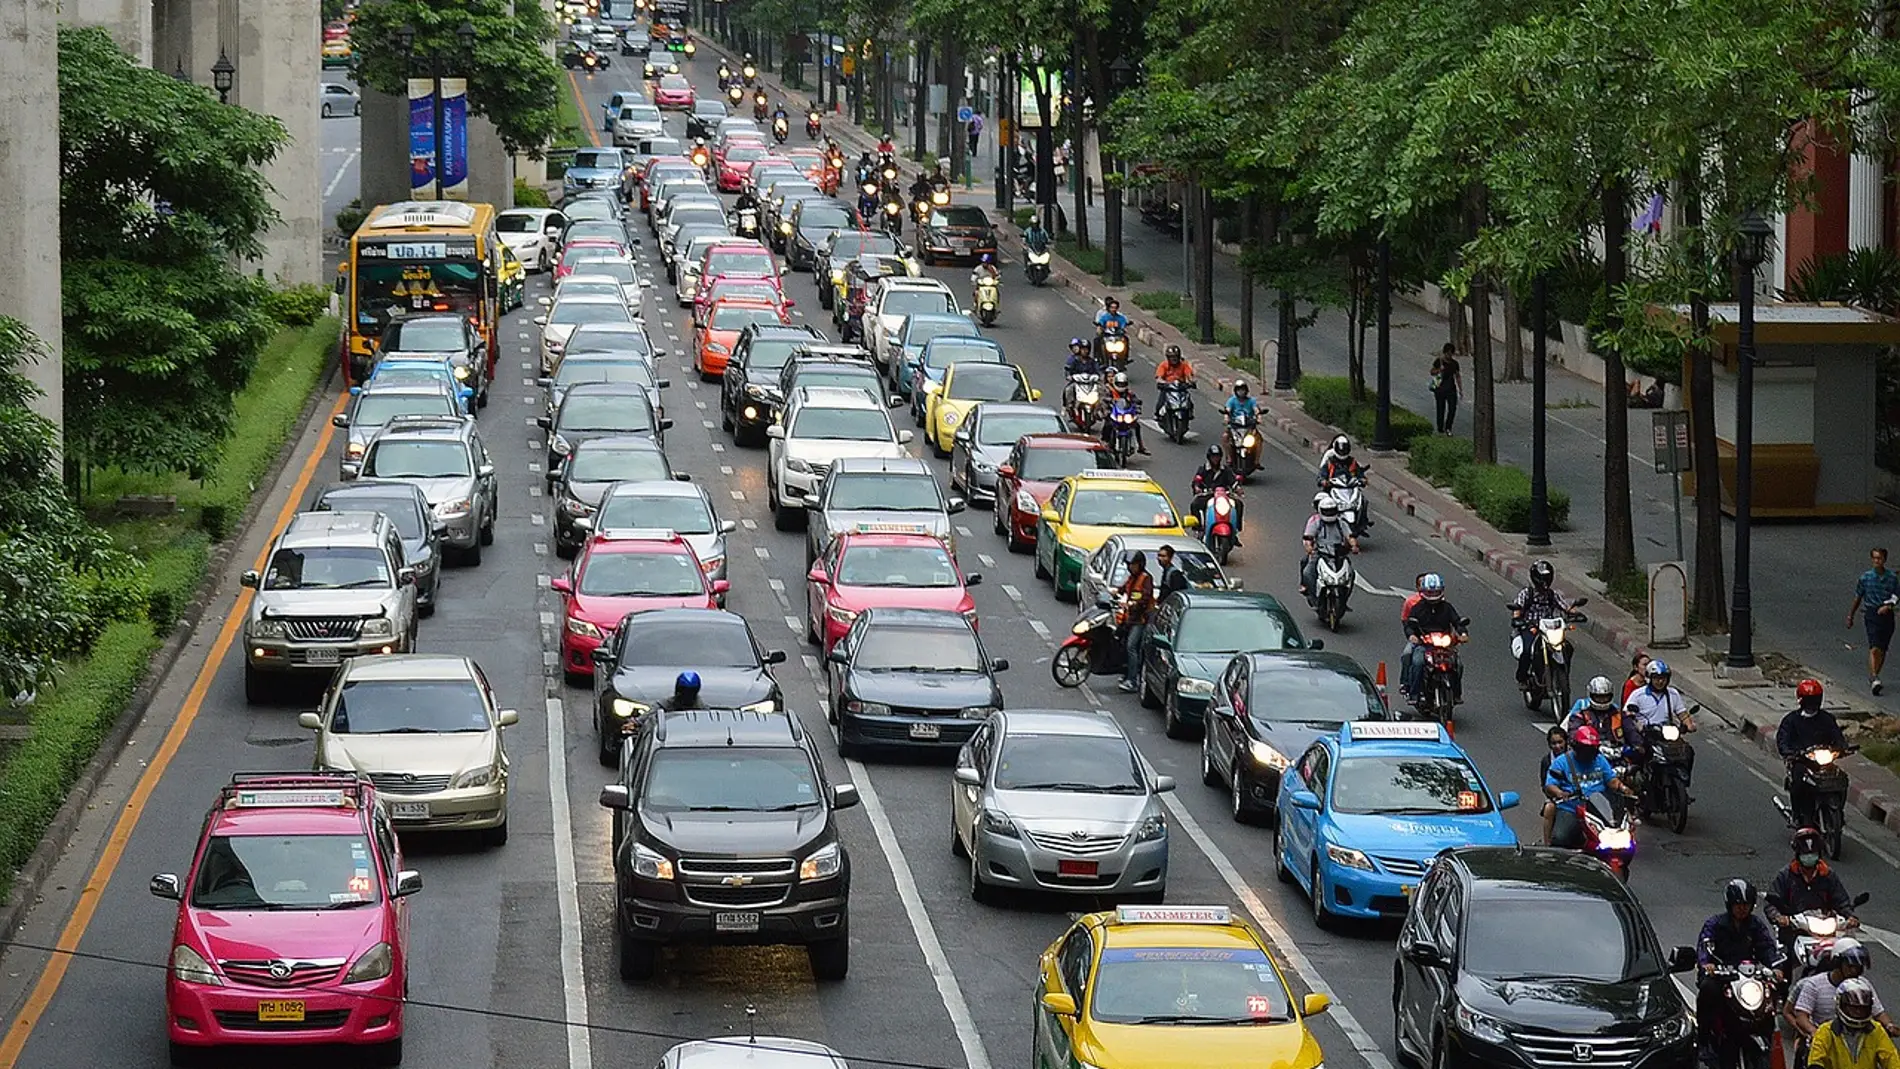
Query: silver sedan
[{"x": 1059, "y": 801}]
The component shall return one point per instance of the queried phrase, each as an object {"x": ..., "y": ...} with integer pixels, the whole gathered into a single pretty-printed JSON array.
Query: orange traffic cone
[
  {"x": 1777, "y": 1056},
  {"x": 1380, "y": 682}
]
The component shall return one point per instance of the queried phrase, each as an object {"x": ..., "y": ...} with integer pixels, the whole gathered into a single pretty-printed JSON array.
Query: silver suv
[
  {"x": 446, "y": 459},
  {"x": 335, "y": 587},
  {"x": 372, "y": 407}
]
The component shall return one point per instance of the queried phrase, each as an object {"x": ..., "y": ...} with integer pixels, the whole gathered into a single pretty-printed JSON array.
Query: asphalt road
[
  {"x": 340, "y": 154},
  {"x": 509, "y": 944}
]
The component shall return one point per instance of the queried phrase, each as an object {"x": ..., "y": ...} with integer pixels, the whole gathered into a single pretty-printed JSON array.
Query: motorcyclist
[
  {"x": 985, "y": 269},
  {"x": 886, "y": 148},
  {"x": 867, "y": 169},
  {"x": 1572, "y": 778},
  {"x": 1598, "y": 709},
  {"x": 1808, "y": 725},
  {"x": 1808, "y": 883},
  {"x": 746, "y": 201},
  {"x": 1174, "y": 368},
  {"x": 1730, "y": 938},
  {"x": 1655, "y": 705},
  {"x": 725, "y": 74},
  {"x": 1214, "y": 473},
  {"x": 1326, "y": 530},
  {"x": 1433, "y": 614},
  {"x": 779, "y": 112},
  {"x": 701, "y": 155},
  {"x": 1111, "y": 317},
  {"x": 1119, "y": 390},
  {"x": 1537, "y": 601},
  {"x": 1240, "y": 410},
  {"x": 1811, "y": 1001},
  {"x": 1034, "y": 236},
  {"x": 1338, "y": 463},
  {"x": 685, "y": 693},
  {"x": 1850, "y": 1040},
  {"x": 1081, "y": 359},
  {"x": 920, "y": 189}
]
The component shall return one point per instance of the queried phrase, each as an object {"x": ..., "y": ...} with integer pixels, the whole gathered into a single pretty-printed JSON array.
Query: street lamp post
[
  {"x": 1749, "y": 254},
  {"x": 223, "y": 72},
  {"x": 1120, "y": 75},
  {"x": 406, "y": 40}
]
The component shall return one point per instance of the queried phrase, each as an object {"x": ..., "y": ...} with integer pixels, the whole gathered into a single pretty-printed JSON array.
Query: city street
[{"x": 511, "y": 949}]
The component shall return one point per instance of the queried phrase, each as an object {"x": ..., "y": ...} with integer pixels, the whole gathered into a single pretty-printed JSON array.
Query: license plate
[
  {"x": 1075, "y": 868},
  {"x": 735, "y": 922},
  {"x": 925, "y": 731},
  {"x": 409, "y": 810},
  {"x": 320, "y": 656},
  {"x": 280, "y": 1010}
]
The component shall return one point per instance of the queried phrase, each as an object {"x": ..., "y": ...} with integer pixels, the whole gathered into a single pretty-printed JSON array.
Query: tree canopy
[{"x": 512, "y": 80}]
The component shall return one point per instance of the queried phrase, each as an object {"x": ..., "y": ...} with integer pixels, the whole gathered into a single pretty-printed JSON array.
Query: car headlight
[
  {"x": 191, "y": 967},
  {"x": 867, "y": 708},
  {"x": 649, "y": 864},
  {"x": 1347, "y": 856},
  {"x": 355, "y": 451},
  {"x": 753, "y": 389},
  {"x": 712, "y": 564},
  {"x": 1151, "y": 828},
  {"x": 461, "y": 371},
  {"x": 1025, "y": 501},
  {"x": 1675, "y": 1029},
  {"x": 377, "y": 962},
  {"x": 1477, "y": 1025},
  {"x": 797, "y": 465},
  {"x": 840, "y": 616},
  {"x": 560, "y": 445},
  {"x": 578, "y": 626},
  {"x": 380, "y": 627},
  {"x": 716, "y": 347},
  {"x": 997, "y": 822},
  {"x": 576, "y": 507},
  {"x": 976, "y": 712},
  {"x": 981, "y": 467},
  {"x": 931, "y": 386},
  {"x": 1189, "y": 687},
  {"x": 1266, "y": 755},
  {"x": 267, "y": 629},
  {"x": 457, "y": 507},
  {"x": 627, "y": 710},
  {"x": 823, "y": 863},
  {"x": 476, "y": 777}
]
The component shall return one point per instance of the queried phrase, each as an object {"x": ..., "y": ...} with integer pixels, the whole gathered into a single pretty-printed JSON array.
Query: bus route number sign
[{"x": 418, "y": 251}]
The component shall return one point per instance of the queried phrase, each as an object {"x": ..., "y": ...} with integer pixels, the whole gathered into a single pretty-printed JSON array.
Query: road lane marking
[
  {"x": 580, "y": 1053},
  {"x": 341, "y": 171},
  {"x": 47, "y": 986}
]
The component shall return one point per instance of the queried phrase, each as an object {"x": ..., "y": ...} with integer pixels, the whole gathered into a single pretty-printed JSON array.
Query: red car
[
  {"x": 293, "y": 924},
  {"x": 619, "y": 572},
  {"x": 867, "y": 569},
  {"x": 1025, "y": 480},
  {"x": 817, "y": 169},
  {"x": 735, "y": 162},
  {"x": 674, "y": 93},
  {"x": 714, "y": 337},
  {"x": 585, "y": 249}
]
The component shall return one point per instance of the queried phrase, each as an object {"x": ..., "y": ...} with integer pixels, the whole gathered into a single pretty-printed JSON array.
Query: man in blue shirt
[
  {"x": 1573, "y": 778},
  {"x": 1874, "y": 597},
  {"x": 1111, "y": 316}
]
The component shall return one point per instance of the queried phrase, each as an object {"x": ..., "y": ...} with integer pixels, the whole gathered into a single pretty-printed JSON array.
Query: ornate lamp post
[
  {"x": 1750, "y": 251},
  {"x": 1121, "y": 74},
  {"x": 223, "y": 72}
]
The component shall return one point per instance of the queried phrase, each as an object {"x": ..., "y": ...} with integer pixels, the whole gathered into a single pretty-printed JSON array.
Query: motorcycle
[
  {"x": 887, "y": 170},
  {"x": 1333, "y": 589},
  {"x": 989, "y": 300},
  {"x": 1093, "y": 645},
  {"x": 1810, "y": 934},
  {"x": 749, "y": 72},
  {"x": 1550, "y": 666},
  {"x": 736, "y": 94},
  {"x": 781, "y": 129},
  {"x": 920, "y": 210},
  {"x": 1741, "y": 1033},
  {"x": 725, "y": 76},
  {"x": 1817, "y": 794},
  {"x": 939, "y": 195},
  {"x": 1036, "y": 265},
  {"x": 1174, "y": 409},
  {"x": 1122, "y": 418},
  {"x": 1217, "y": 523},
  {"x": 1608, "y": 836},
  {"x": 759, "y": 111},
  {"x": 813, "y": 126},
  {"x": 1435, "y": 690},
  {"x": 1112, "y": 347},
  {"x": 893, "y": 217},
  {"x": 1662, "y": 780},
  {"x": 1083, "y": 402},
  {"x": 1348, "y": 493},
  {"x": 1243, "y": 448},
  {"x": 746, "y": 222}
]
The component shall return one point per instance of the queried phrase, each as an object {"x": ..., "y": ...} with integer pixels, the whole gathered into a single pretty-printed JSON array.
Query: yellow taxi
[
  {"x": 513, "y": 279},
  {"x": 336, "y": 52},
  {"x": 1159, "y": 987},
  {"x": 1086, "y": 508},
  {"x": 965, "y": 386}
]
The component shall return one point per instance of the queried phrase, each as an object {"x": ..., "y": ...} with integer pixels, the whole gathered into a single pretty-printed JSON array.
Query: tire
[
  {"x": 487, "y": 536},
  {"x": 1679, "y": 818},
  {"x": 1144, "y": 692},
  {"x": 1070, "y": 666},
  {"x": 957, "y": 849},
  {"x": 786, "y": 517},
  {"x": 1208, "y": 775},
  {"x": 830, "y": 960},
  {"x": 356, "y": 110},
  {"x": 981, "y": 893},
  {"x": 472, "y": 556},
  {"x": 996, "y": 518},
  {"x": 184, "y": 1057},
  {"x": 1171, "y": 722},
  {"x": 1323, "y": 917},
  {"x": 1041, "y": 572},
  {"x": 389, "y": 1053},
  {"x": 1830, "y": 835},
  {"x": 637, "y": 958},
  {"x": 1237, "y": 804},
  {"x": 496, "y": 836},
  {"x": 605, "y": 750},
  {"x": 257, "y": 690},
  {"x": 1280, "y": 871},
  {"x": 326, "y": 111}
]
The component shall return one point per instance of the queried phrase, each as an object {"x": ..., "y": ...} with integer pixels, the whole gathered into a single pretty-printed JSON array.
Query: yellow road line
[
  {"x": 55, "y": 971},
  {"x": 580, "y": 105}
]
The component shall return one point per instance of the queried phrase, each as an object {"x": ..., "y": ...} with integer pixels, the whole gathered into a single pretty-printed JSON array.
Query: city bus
[{"x": 420, "y": 258}]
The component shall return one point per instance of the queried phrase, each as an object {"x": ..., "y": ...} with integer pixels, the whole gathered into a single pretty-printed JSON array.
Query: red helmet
[
  {"x": 1808, "y": 693},
  {"x": 1585, "y": 736}
]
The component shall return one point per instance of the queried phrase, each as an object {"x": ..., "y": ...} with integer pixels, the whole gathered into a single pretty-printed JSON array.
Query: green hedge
[
  {"x": 172, "y": 576},
  {"x": 529, "y": 196},
  {"x": 299, "y": 306},
  {"x": 1501, "y": 496},
  {"x": 68, "y": 723},
  {"x": 351, "y": 217},
  {"x": 266, "y": 413},
  {"x": 1328, "y": 398},
  {"x": 1439, "y": 459}
]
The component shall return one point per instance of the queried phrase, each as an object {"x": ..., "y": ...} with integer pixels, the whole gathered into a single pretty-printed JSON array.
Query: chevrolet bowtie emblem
[{"x": 736, "y": 881}]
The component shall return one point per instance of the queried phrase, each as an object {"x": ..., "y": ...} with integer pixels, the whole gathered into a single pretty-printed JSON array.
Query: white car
[
  {"x": 584, "y": 280},
  {"x": 636, "y": 123},
  {"x": 532, "y": 234},
  {"x": 820, "y": 425},
  {"x": 896, "y": 299},
  {"x": 334, "y": 99},
  {"x": 563, "y": 316},
  {"x": 686, "y": 273}
]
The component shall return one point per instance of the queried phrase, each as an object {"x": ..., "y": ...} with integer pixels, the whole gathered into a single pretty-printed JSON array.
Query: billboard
[
  {"x": 1030, "y": 114},
  {"x": 424, "y": 112}
]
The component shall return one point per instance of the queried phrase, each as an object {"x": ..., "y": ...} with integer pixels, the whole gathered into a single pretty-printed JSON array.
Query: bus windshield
[{"x": 439, "y": 286}]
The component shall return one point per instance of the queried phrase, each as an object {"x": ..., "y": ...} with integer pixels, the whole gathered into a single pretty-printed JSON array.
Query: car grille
[
  {"x": 1580, "y": 1052},
  {"x": 408, "y": 783},
  {"x": 1400, "y": 866},
  {"x": 320, "y": 628},
  {"x": 757, "y": 896},
  {"x": 743, "y": 883},
  {"x": 257, "y": 973},
  {"x": 313, "y": 1021},
  {"x": 1077, "y": 845}
]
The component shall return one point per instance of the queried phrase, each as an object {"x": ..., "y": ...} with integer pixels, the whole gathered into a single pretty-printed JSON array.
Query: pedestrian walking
[
  {"x": 1875, "y": 596},
  {"x": 976, "y": 131},
  {"x": 1447, "y": 384}
]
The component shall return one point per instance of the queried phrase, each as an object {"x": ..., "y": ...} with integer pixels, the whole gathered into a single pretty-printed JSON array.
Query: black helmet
[
  {"x": 1805, "y": 841},
  {"x": 1078, "y": 343},
  {"x": 1214, "y": 452},
  {"x": 1541, "y": 574},
  {"x": 1172, "y": 352},
  {"x": 1739, "y": 892}
]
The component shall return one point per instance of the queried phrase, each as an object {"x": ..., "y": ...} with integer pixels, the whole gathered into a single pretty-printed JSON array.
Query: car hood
[
  {"x": 777, "y": 834},
  {"x": 719, "y": 688},
  {"x": 963, "y": 230},
  {"x": 1202, "y": 665},
  {"x": 442, "y": 754},
  {"x": 826, "y": 450},
  {"x": 1572, "y": 1007},
  {"x": 290, "y": 935},
  {"x": 521, "y": 239},
  {"x": 930, "y": 523},
  {"x": 1090, "y": 538},
  {"x": 1275, "y": 1046},
  {"x": 925, "y": 690},
  {"x": 1420, "y": 837},
  {"x": 365, "y": 603},
  {"x": 576, "y": 436},
  {"x": 1106, "y": 814},
  {"x": 606, "y": 612},
  {"x": 1038, "y": 489},
  {"x": 1292, "y": 737},
  {"x": 991, "y": 454}
]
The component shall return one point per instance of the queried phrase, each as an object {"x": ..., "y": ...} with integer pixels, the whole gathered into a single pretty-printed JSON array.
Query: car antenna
[
  {"x": 752, "y": 1022},
  {"x": 729, "y": 742}
]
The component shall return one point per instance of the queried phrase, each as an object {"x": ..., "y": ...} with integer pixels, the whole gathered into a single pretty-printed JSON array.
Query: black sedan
[
  {"x": 1190, "y": 640},
  {"x": 599, "y": 410},
  {"x": 748, "y": 391},
  {"x": 635, "y": 670},
  {"x": 960, "y": 231},
  {"x": 914, "y": 678},
  {"x": 704, "y": 118},
  {"x": 814, "y": 221},
  {"x": 1267, "y": 709}
]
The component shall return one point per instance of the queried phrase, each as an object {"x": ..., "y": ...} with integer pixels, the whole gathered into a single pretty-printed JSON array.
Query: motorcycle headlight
[
  {"x": 823, "y": 863},
  {"x": 997, "y": 822},
  {"x": 1151, "y": 828},
  {"x": 191, "y": 967},
  {"x": 267, "y": 629},
  {"x": 381, "y": 627},
  {"x": 377, "y": 962},
  {"x": 837, "y": 275},
  {"x": 1613, "y": 839},
  {"x": 578, "y": 626},
  {"x": 1247, "y": 442},
  {"x": 1750, "y": 994},
  {"x": 1347, "y": 856},
  {"x": 1477, "y": 1025},
  {"x": 1025, "y": 502},
  {"x": 1266, "y": 755},
  {"x": 627, "y": 710},
  {"x": 1082, "y": 627},
  {"x": 785, "y": 228},
  {"x": 1671, "y": 733},
  {"x": 476, "y": 777},
  {"x": 1821, "y": 757},
  {"x": 649, "y": 864},
  {"x": 1189, "y": 687},
  {"x": 461, "y": 371}
]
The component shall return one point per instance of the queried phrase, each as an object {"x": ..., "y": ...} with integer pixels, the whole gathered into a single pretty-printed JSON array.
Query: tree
[
  {"x": 512, "y": 80},
  {"x": 161, "y": 330}
]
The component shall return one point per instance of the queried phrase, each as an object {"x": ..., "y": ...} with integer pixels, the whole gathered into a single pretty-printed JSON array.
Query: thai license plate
[
  {"x": 735, "y": 922},
  {"x": 409, "y": 810},
  {"x": 320, "y": 656},
  {"x": 280, "y": 1010},
  {"x": 1075, "y": 868},
  {"x": 925, "y": 731}
]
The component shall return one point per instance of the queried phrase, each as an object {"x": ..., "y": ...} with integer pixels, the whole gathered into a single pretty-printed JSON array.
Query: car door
[
  {"x": 1073, "y": 959},
  {"x": 835, "y": 673},
  {"x": 385, "y": 843},
  {"x": 963, "y": 797},
  {"x": 485, "y": 479},
  {"x": 1046, "y": 529},
  {"x": 1222, "y": 726},
  {"x": 1424, "y": 991},
  {"x": 1299, "y": 827},
  {"x": 1158, "y": 654},
  {"x": 818, "y": 591}
]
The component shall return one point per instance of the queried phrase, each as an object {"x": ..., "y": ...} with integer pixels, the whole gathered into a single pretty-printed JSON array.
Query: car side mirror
[
  {"x": 441, "y": 530},
  {"x": 784, "y": 269},
  {"x": 1429, "y": 956},
  {"x": 1035, "y": 395},
  {"x": 408, "y": 882},
  {"x": 342, "y": 284},
  {"x": 817, "y": 574},
  {"x": 897, "y": 402},
  {"x": 968, "y": 776},
  {"x": 775, "y": 431},
  {"x": 662, "y": 383},
  {"x": 837, "y": 656},
  {"x": 553, "y": 231},
  {"x": 666, "y": 424},
  {"x": 1579, "y": 603},
  {"x": 561, "y": 585},
  {"x": 812, "y": 503},
  {"x": 310, "y": 721},
  {"x": 1859, "y": 899},
  {"x": 973, "y": 579},
  {"x": 1060, "y": 1003},
  {"x": 844, "y": 795},
  {"x": 773, "y": 657},
  {"x": 721, "y": 587},
  {"x": 341, "y": 419},
  {"x": 544, "y": 382},
  {"x": 1315, "y": 643},
  {"x": 1164, "y": 784},
  {"x": 727, "y": 526},
  {"x": 1000, "y": 664},
  {"x": 544, "y": 422},
  {"x": 1305, "y": 800},
  {"x": 507, "y": 718},
  {"x": 486, "y": 471},
  {"x": 1315, "y": 1004},
  {"x": 1464, "y": 621},
  {"x": 1508, "y": 800},
  {"x": 789, "y": 303},
  {"x": 956, "y": 505},
  {"x": 1681, "y": 959},
  {"x": 406, "y": 577},
  {"x": 1051, "y": 516},
  {"x": 615, "y": 796},
  {"x": 905, "y": 437},
  {"x": 250, "y": 579},
  {"x": 165, "y": 885},
  {"x": 682, "y": 477}
]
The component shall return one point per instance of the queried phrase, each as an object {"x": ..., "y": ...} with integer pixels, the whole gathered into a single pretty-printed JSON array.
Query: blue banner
[
  {"x": 454, "y": 139},
  {"x": 422, "y": 139}
]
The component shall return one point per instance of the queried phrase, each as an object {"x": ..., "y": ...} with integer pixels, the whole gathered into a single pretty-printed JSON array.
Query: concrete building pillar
[
  {"x": 185, "y": 37},
  {"x": 276, "y": 55},
  {"x": 128, "y": 21},
  {"x": 491, "y": 170},
  {"x": 29, "y": 186},
  {"x": 384, "y": 129},
  {"x": 1864, "y": 197}
]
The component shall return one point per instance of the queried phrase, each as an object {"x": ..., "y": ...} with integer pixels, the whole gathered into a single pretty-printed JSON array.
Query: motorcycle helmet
[
  {"x": 1808, "y": 694},
  {"x": 1739, "y": 892},
  {"x": 687, "y": 683},
  {"x": 1854, "y": 1005},
  {"x": 1240, "y": 387},
  {"x": 1586, "y": 743},
  {"x": 1078, "y": 344},
  {"x": 1121, "y": 380},
  {"x": 1172, "y": 352},
  {"x": 1658, "y": 668},
  {"x": 1806, "y": 844},
  {"x": 1320, "y": 501},
  {"x": 986, "y": 258},
  {"x": 1342, "y": 447},
  {"x": 1848, "y": 953},
  {"x": 1111, "y": 304},
  {"x": 1432, "y": 586},
  {"x": 1542, "y": 574},
  {"x": 1328, "y": 508},
  {"x": 1214, "y": 455},
  {"x": 1602, "y": 693}
]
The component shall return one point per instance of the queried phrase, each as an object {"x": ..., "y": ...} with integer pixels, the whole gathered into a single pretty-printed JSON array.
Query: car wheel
[
  {"x": 356, "y": 109},
  {"x": 981, "y": 893},
  {"x": 957, "y": 849},
  {"x": 725, "y": 419},
  {"x": 996, "y": 516},
  {"x": 1143, "y": 692},
  {"x": 1209, "y": 775},
  {"x": 326, "y": 111},
  {"x": 639, "y": 959},
  {"x": 786, "y": 516},
  {"x": 1171, "y": 721},
  {"x": 497, "y": 835},
  {"x": 1280, "y": 871},
  {"x": 1322, "y": 916},
  {"x": 543, "y": 265},
  {"x": 830, "y": 960},
  {"x": 257, "y": 687},
  {"x": 606, "y": 749},
  {"x": 1041, "y": 572},
  {"x": 472, "y": 556},
  {"x": 1237, "y": 804},
  {"x": 487, "y": 536}
]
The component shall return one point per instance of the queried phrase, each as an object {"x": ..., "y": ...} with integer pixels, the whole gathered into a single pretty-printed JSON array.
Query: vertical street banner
[
  {"x": 422, "y": 139},
  {"x": 454, "y": 139}
]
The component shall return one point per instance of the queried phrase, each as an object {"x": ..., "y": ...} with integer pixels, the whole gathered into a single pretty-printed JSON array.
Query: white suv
[
  {"x": 822, "y": 424},
  {"x": 895, "y": 299}
]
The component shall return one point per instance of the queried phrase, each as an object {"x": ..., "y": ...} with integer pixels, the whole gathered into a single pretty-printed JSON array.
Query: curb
[{"x": 31, "y": 875}]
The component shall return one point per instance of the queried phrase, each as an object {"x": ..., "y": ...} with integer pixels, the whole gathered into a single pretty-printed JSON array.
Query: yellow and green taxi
[
  {"x": 1088, "y": 507},
  {"x": 965, "y": 386},
  {"x": 1156, "y": 987},
  {"x": 514, "y": 280}
]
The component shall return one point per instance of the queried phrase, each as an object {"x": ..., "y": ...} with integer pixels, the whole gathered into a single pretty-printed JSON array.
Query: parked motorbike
[
  {"x": 1811, "y": 933},
  {"x": 1435, "y": 690},
  {"x": 1217, "y": 523},
  {"x": 1741, "y": 1033},
  {"x": 1550, "y": 666},
  {"x": 1122, "y": 418},
  {"x": 989, "y": 300},
  {"x": 1661, "y": 780},
  {"x": 1174, "y": 409},
  {"x": 781, "y": 129},
  {"x": 1036, "y": 265},
  {"x": 813, "y": 126},
  {"x": 1333, "y": 590},
  {"x": 1093, "y": 645},
  {"x": 1244, "y": 446},
  {"x": 1082, "y": 402},
  {"x": 1817, "y": 794},
  {"x": 1348, "y": 493}
]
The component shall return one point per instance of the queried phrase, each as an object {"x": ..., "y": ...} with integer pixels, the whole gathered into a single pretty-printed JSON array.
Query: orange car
[
  {"x": 817, "y": 168},
  {"x": 725, "y": 318}
]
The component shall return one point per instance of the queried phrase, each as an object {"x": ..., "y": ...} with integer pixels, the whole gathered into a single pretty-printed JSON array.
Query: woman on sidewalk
[{"x": 1447, "y": 385}]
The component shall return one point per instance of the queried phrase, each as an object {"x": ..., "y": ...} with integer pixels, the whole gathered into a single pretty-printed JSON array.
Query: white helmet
[
  {"x": 1240, "y": 385},
  {"x": 1328, "y": 508},
  {"x": 1121, "y": 379},
  {"x": 1321, "y": 500},
  {"x": 1600, "y": 690}
]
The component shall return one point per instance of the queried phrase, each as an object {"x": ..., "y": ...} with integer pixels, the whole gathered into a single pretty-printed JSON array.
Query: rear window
[{"x": 737, "y": 317}]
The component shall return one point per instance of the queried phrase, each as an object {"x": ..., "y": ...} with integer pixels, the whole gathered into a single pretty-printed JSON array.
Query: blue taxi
[
  {"x": 1364, "y": 810},
  {"x": 409, "y": 370}
]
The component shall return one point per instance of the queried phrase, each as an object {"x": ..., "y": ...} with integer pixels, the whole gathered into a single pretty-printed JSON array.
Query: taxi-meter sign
[
  {"x": 1174, "y": 915},
  {"x": 289, "y": 799},
  {"x": 1416, "y": 730}
]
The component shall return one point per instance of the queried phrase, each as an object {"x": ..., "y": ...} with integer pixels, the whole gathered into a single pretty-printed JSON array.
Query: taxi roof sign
[
  {"x": 1414, "y": 730},
  {"x": 1174, "y": 915},
  {"x": 290, "y": 799},
  {"x": 1115, "y": 473},
  {"x": 890, "y": 528},
  {"x": 638, "y": 534}
]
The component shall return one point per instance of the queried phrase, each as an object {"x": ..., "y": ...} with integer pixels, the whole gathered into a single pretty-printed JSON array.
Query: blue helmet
[
  {"x": 986, "y": 257},
  {"x": 1657, "y": 668},
  {"x": 688, "y": 681},
  {"x": 1432, "y": 585}
]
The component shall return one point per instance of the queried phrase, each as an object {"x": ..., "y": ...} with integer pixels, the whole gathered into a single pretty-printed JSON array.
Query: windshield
[
  {"x": 610, "y": 465},
  {"x": 437, "y": 286},
  {"x": 738, "y": 316},
  {"x": 884, "y": 491},
  {"x": 574, "y": 313},
  {"x": 1049, "y": 465},
  {"x": 430, "y": 335},
  {"x": 745, "y": 152},
  {"x": 675, "y": 81},
  {"x": 376, "y": 409},
  {"x": 818, "y": 216},
  {"x": 1122, "y": 508},
  {"x": 641, "y": 113},
  {"x": 987, "y": 382},
  {"x": 595, "y": 157},
  {"x": 1188, "y": 986},
  {"x": 1604, "y": 942},
  {"x": 627, "y": 575},
  {"x": 414, "y": 375},
  {"x": 730, "y": 779},
  {"x": 401, "y": 510},
  {"x": 661, "y": 146},
  {"x": 1103, "y": 764},
  {"x": 920, "y": 330},
  {"x": 685, "y": 513},
  {"x": 770, "y": 354},
  {"x": 1004, "y": 430},
  {"x": 695, "y": 213},
  {"x": 910, "y": 649},
  {"x": 577, "y": 372},
  {"x": 594, "y": 248},
  {"x": 907, "y": 302},
  {"x": 842, "y": 424},
  {"x": 756, "y": 262},
  {"x": 617, "y": 268},
  {"x": 710, "y": 109},
  {"x": 517, "y": 223},
  {"x": 897, "y": 566},
  {"x": 751, "y": 291},
  {"x": 604, "y": 412},
  {"x": 284, "y": 872},
  {"x": 328, "y": 568},
  {"x": 576, "y": 286},
  {"x": 409, "y": 707},
  {"x": 417, "y": 460},
  {"x": 1208, "y": 630},
  {"x": 1422, "y": 786},
  {"x": 855, "y": 379},
  {"x": 959, "y": 217},
  {"x": 941, "y": 355},
  {"x": 1314, "y": 696},
  {"x": 717, "y": 642}
]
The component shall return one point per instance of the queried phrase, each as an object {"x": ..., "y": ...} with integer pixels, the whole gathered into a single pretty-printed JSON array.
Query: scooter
[
  {"x": 1122, "y": 418},
  {"x": 1093, "y": 645},
  {"x": 920, "y": 209},
  {"x": 1036, "y": 265},
  {"x": 1083, "y": 403},
  {"x": 748, "y": 72},
  {"x": 1174, "y": 409},
  {"x": 1335, "y": 578},
  {"x": 813, "y": 127},
  {"x": 1349, "y": 494},
  {"x": 1741, "y": 1033},
  {"x": 1550, "y": 666},
  {"x": 1112, "y": 346},
  {"x": 1810, "y": 934},
  {"x": 746, "y": 222},
  {"x": 1662, "y": 782},
  {"x": 759, "y": 111},
  {"x": 781, "y": 129},
  {"x": 1817, "y": 794},
  {"x": 893, "y": 217},
  {"x": 989, "y": 300},
  {"x": 1243, "y": 448},
  {"x": 1435, "y": 690},
  {"x": 736, "y": 94},
  {"x": 1217, "y": 523},
  {"x": 1607, "y": 836}
]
